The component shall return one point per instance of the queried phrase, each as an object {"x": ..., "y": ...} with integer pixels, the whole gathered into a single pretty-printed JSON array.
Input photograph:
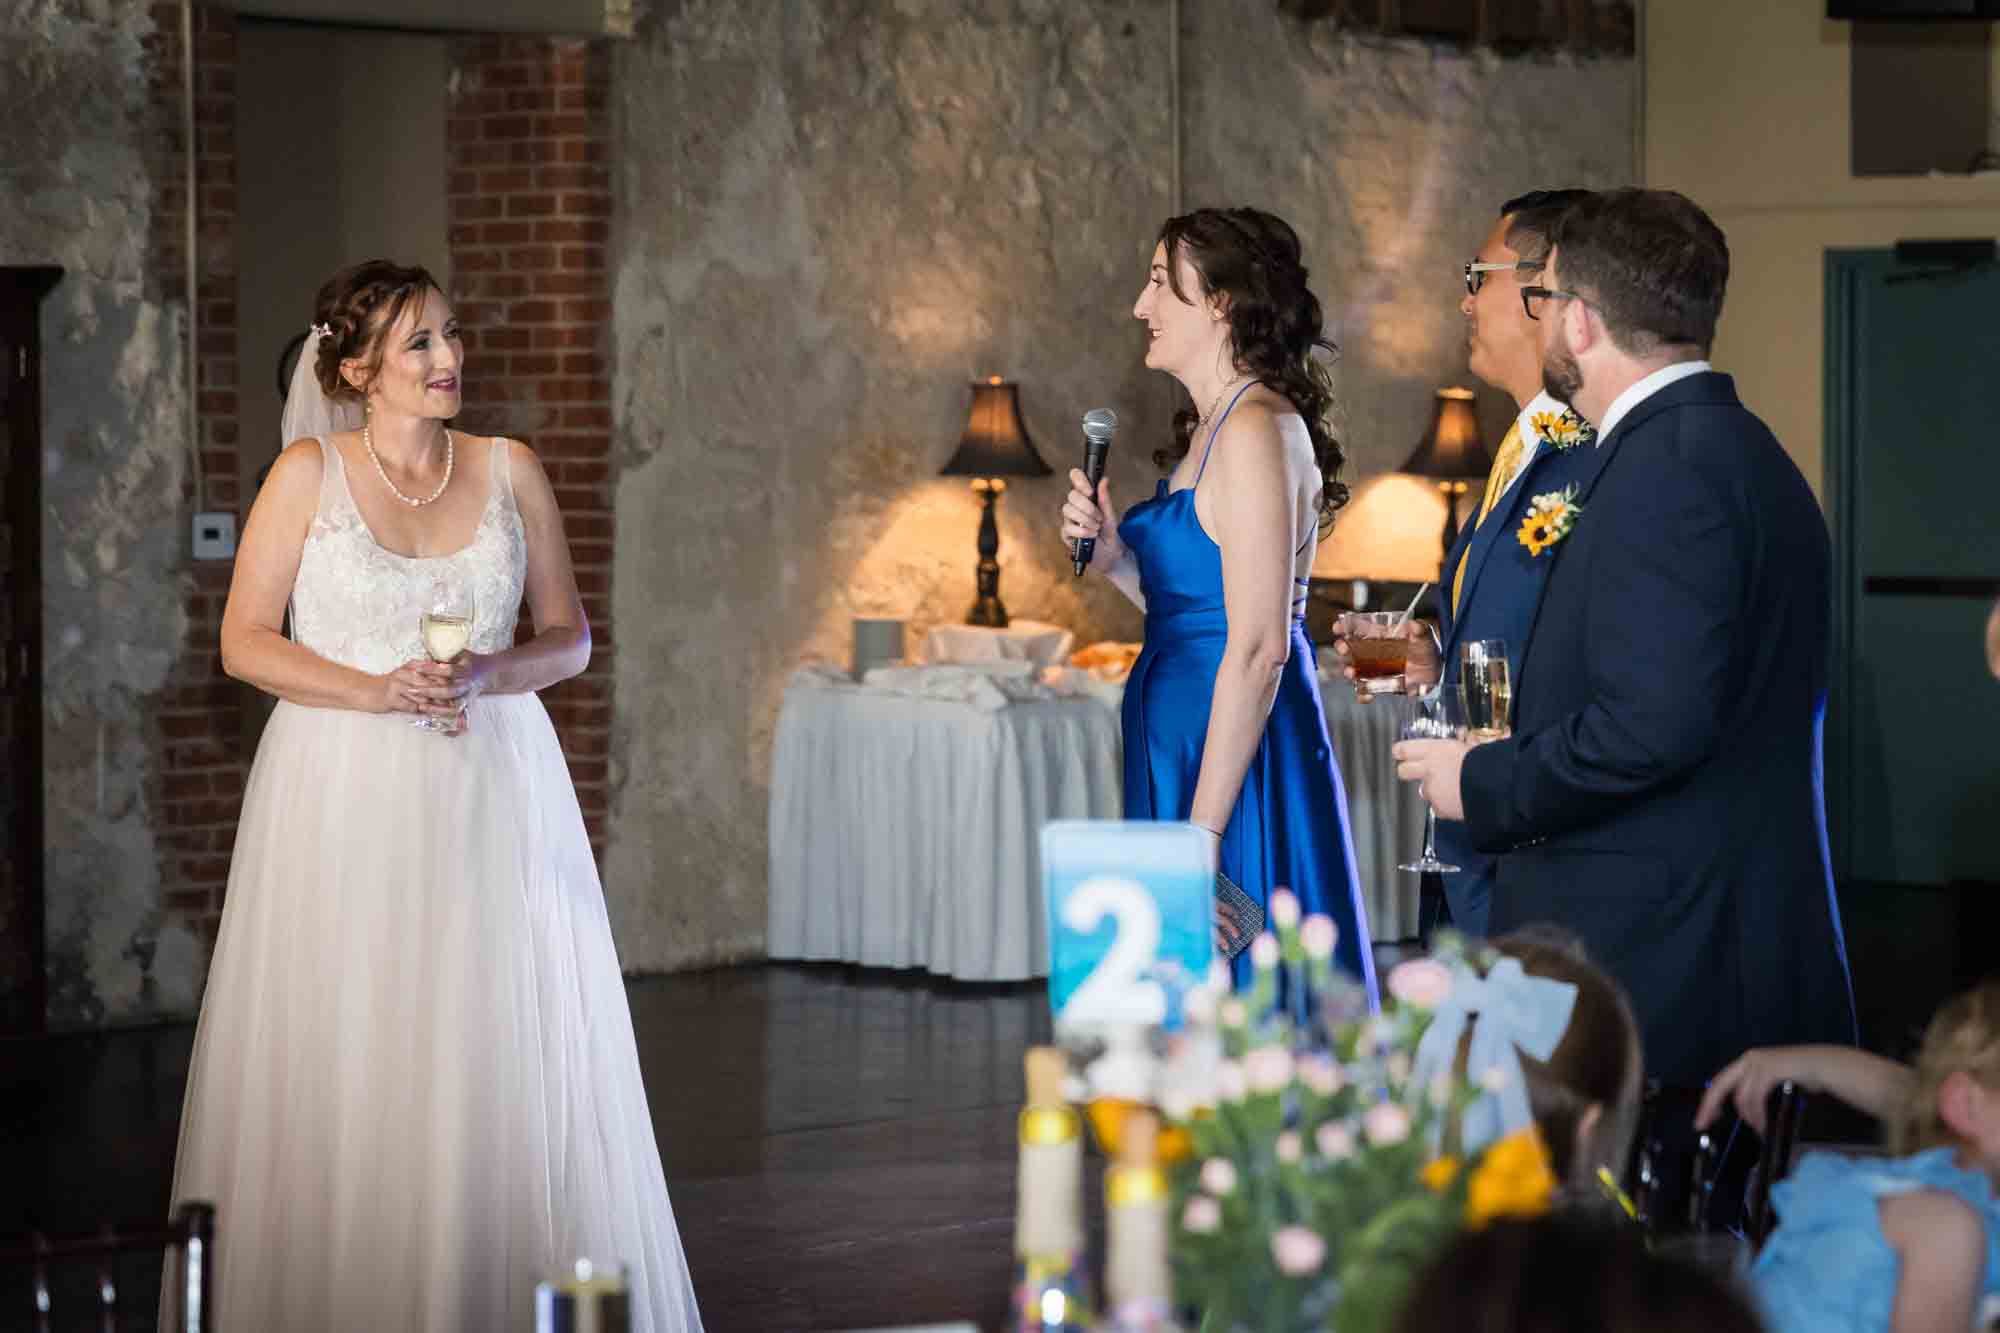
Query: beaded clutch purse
[{"x": 1239, "y": 918}]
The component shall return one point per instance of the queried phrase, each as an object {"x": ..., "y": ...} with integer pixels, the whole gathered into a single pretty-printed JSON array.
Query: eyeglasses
[
  {"x": 1534, "y": 298},
  {"x": 1477, "y": 269}
]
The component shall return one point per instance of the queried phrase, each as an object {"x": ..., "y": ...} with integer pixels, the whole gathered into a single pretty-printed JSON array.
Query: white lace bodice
[{"x": 359, "y": 604}]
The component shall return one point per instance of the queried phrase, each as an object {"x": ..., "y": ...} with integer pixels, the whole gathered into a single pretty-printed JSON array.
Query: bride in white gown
[{"x": 414, "y": 1089}]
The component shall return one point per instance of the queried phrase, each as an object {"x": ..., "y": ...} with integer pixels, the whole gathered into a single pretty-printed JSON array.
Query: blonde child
[{"x": 1904, "y": 1244}]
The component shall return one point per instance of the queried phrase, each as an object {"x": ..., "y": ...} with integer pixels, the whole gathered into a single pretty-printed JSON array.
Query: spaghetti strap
[{"x": 1217, "y": 430}]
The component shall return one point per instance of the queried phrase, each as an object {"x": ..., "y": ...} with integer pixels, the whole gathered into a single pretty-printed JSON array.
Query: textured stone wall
[
  {"x": 1392, "y": 158},
  {"x": 831, "y": 217},
  {"x": 74, "y": 168}
]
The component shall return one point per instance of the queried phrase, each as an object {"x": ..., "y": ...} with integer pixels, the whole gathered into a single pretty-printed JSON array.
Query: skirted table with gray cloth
[{"x": 906, "y": 811}]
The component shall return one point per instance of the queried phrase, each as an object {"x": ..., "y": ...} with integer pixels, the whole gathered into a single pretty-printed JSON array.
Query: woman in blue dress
[{"x": 1222, "y": 718}]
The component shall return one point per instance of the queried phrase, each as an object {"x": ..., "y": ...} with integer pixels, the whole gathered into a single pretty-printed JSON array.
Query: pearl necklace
[{"x": 368, "y": 443}]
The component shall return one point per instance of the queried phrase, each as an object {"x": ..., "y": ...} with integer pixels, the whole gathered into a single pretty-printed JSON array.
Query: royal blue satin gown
[{"x": 1289, "y": 828}]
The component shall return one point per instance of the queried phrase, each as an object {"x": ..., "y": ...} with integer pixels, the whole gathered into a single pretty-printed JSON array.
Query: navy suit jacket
[
  {"x": 1661, "y": 792},
  {"x": 1502, "y": 588}
]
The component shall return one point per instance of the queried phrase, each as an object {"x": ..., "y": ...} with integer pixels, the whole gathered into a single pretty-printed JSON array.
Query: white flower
[
  {"x": 1297, "y": 1250},
  {"x": 1386, "y": 1124},
  {"x": 1421, "y": 983},
  {"x": 1318, "y": 935},
  {"x": 1399, "y": 1066},
  {"x": 1334, "y": 1140},
  {"x": 1203, "y": 1215},
  {"x": 1230, "y": 1084},
  {"x": 1284, "y": 909},
  {"x": 1267, "y": 1069},
  {"x": 1321, "y": 1073},
  {"x": 1198, "y": 1007},
  {"x": 1290, "y": 1147},
  {"x": 1233, "y": 1013},
  {"x": 1440, "y": 1091},
  {"x": 1493, "y": 1078},
  {"x": 1218, "y": 1176},
  {"x": 1264, "y": 952}
]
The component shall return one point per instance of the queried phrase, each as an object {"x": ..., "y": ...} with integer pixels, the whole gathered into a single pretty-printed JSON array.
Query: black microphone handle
[{"x": 1094, "y": 451}]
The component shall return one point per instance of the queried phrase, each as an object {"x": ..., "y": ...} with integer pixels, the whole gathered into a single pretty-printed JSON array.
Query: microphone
[{"x": 1099, "y": 425}]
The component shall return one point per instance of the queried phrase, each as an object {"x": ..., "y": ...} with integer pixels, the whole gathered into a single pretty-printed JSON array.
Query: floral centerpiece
[{"x": 1320, "y": 1171}]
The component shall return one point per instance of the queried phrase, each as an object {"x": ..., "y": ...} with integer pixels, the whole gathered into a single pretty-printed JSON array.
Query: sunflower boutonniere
[
  {"x": 1562, "y": 430},
  {"x": 1549, "y": 519}
]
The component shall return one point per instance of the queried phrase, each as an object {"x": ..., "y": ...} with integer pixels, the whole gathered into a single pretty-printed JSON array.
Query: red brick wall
[
  {"x": 199, "y": 767},
  {"x": 530, "y": 214}
]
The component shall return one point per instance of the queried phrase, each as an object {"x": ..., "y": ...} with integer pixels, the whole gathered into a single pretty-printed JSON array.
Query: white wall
[{"x": 1746, "y": 112}]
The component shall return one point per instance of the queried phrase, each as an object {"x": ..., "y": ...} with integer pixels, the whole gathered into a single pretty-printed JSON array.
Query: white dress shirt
[
  {"x": 1530, "y": 440},
  {"x": 1644, "y": 389}
]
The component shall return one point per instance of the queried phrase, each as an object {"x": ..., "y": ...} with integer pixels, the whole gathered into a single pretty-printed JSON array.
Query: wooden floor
[{"x": 839, "y": 1144}]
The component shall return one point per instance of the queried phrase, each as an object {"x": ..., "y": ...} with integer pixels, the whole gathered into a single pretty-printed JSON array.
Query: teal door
[{"x": 1913, "y": 485}]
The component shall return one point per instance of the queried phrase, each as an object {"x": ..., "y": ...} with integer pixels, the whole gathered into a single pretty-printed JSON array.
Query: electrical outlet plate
[{"x": 214, "y": 536}]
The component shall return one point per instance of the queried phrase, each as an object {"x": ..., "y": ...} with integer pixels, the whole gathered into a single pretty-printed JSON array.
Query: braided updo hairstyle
[
  {"x": 1251, "y": 260},
  {"x": 358, "y": 306}
]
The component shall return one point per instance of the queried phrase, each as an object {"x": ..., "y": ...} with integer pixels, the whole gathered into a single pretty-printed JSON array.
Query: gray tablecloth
[{"x": 906, "y": 815}]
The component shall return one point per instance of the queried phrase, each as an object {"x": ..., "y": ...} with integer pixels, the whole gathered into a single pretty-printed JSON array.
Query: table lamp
[
  {"x": 1452, "y": 454},
  {"x": 995, "y": 446}
]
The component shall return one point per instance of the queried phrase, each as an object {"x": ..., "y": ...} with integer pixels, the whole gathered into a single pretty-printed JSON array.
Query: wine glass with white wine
[
  {"x": 446, "y": 629},
  {"x": 1487, "y": 689}
]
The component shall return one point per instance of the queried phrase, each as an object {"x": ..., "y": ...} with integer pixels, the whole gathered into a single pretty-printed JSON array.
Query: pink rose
[
  {"x": 1284, "y": 909},
  {"x": 1334, "y": 1140},
  {"x": 1267, "y": 1069},
  {"x": 1202, "y": 1216},
  {"x": 1422, "y": 983},
  {"x": 1318, "y": 936},
  {"x": 1290, "y": 1147},
  {"x": 1230, "y": 1085},
  {"x": 1218, "y": 1176},
  {"x": 1320, "y": 1073},
  {"x": 1264, "y": 952},
  {"x": 1297, "y": 1250},
  {"x": 1386, "y": 1124}
]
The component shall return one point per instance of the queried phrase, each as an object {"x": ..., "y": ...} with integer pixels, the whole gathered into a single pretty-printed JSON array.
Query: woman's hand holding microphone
[{"x": 1087, "y": 516}]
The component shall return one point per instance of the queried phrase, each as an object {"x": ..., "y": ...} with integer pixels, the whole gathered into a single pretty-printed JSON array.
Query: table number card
[{"x": 1131, "y": 919}]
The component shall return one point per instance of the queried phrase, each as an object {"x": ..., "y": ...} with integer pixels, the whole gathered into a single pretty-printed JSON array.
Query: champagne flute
[
  {"x": 446, "y": 630},
  {"x": 1437, "y": 716},
  {"x": 1488, "y": 690}
]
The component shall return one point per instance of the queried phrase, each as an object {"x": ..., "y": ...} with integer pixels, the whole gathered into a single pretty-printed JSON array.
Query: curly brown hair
[
  {"x": 359, "y": 306},
  {"x": 1252, "y": 260}
]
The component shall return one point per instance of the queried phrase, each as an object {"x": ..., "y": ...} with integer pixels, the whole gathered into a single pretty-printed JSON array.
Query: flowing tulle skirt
[{"x": 414, "y": 1089}]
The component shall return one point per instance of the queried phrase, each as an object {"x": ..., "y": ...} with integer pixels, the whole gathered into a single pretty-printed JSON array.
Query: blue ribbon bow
[{"x": 1516, "y": 1014}]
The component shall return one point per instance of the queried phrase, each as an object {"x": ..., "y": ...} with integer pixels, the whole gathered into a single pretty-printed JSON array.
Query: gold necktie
[{"x": 1496, "y": 482}]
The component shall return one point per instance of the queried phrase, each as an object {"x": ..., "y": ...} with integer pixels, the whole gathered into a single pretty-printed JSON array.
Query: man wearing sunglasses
[
  {"x": 1492, "y": 582},
  {"x": 1660, "y": 792}
]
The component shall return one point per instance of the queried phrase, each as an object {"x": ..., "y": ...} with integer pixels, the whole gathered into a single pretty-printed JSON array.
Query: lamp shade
[
  {"x": 1451, "y": 449},
  {"x": 1388, "y": 532},
  {"x": 995, "y": 443}
]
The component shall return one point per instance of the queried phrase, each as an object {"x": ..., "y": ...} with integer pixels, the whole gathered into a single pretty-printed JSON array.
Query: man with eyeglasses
[
  {"x": 1492, "y": 582},
  {"x": 1660, "y": 793}
]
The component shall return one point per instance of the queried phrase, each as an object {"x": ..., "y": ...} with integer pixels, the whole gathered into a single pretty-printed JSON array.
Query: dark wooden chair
[
  {"x": 1781, "y": 1142},
  {"x": 191, "y": 1233}
]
